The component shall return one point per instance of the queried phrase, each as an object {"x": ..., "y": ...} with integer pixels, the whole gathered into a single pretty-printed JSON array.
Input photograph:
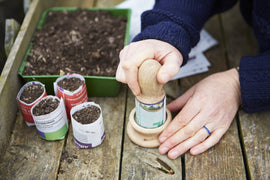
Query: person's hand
[
  {"x": 132, "y": 56},
  {"x": 213, "y": 103}
]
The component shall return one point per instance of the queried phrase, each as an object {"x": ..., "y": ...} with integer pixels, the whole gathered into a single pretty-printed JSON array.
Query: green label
[{"x": 150, "y": 115}]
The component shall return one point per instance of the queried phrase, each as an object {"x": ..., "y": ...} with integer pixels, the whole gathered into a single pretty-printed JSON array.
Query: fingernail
[
  {"x": 174, "y": 154},
  {"x": 162, "y": 139},
  {"x": 163, "y": 150}
]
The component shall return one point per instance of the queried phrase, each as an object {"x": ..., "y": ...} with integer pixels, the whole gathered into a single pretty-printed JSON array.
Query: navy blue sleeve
[
  {"x": 179, "y": 22},
  {"x": 254, "y": 71}
]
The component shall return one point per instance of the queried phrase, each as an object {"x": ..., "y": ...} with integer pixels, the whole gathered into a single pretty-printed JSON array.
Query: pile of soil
[
  {"x": 87, "y": 115},
  {"x": 84, "y": 42},
  {"x": 45, "y": 106},
  {"x": 70, "y": 84},
  {"x": 31, "y": 93}
]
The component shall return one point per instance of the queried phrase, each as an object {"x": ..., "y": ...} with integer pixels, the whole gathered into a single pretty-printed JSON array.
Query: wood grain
[
  {"x": 30, "y": 157},
  {"x": 102, "y": 161},
  {"x": 9, "y": 81},
  {"x": 141, "y": 163},
  {"x": 27, "y": 156},
  {"x": 224, "y": 160},
  {"x": 71, "y": 3},
  {"x": 256, "y": 136},
  {"x": 254, "y": 127},
  {"x": 107, "y": 3}
]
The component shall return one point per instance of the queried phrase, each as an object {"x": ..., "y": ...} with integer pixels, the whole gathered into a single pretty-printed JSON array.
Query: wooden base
[{"x": 142, "y": 136}]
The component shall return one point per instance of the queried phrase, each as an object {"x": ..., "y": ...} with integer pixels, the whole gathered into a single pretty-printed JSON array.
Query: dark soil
[
  {"x": 83, "y": 42},
  {"x": 70, "y": 84},
  {"x": 45, "y": 106},
  {"x": 87, "y": 115},
  {"x": 31, "y": 93},
  {"x": 68, "y": 157}
]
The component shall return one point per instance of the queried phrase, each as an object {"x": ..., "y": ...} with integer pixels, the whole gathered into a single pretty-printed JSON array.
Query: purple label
[
  {"x": 103, "y": 136},
  {"x": 82, "y": 145},
  {"x": 41, "y": 134}
]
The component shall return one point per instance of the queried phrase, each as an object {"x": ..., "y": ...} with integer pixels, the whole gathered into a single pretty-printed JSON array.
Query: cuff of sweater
[
  {"x": 170, "y": 33},
  {"x": 254, "y": 76}
]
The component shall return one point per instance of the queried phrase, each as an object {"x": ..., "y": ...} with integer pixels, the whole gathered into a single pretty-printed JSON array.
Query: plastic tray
[{"x": 96, "y": 85}]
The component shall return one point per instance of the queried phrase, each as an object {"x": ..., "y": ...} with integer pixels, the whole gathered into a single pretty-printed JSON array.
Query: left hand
[{"x": 212, "y": 102}]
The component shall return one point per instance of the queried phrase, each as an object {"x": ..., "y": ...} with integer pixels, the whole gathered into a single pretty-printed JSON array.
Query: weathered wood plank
[
  {"x": 86, "y": 3},
  {"x": 9, "y": 81},
  {"x": 254, "y": 127},
  {"x": 102, "y": 161},
  {"x": 71, "y": 3},
  {"x": 238, "y": 36},
  {"x": 138, "y": 162},
  {"x": 224, "y": 160},
  {"x": 28, "y": 156},
  {"x": 255, "y": 130},
  {"x": 106, "y": 3},
  {"x": 46, "y": 4}
]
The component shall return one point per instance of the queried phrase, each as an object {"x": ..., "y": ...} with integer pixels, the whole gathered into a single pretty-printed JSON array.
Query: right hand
[{"x": 132, "y": 56}]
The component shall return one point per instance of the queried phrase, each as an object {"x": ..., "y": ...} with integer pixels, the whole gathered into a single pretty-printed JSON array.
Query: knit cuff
[
  {"x": 166, "y": 26},
  {"x": 254, "y": 76},
  {"x": 170, "y": 33}
]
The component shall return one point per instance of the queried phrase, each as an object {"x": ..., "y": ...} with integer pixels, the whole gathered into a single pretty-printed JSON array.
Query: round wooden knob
[{"x": 151, "y": 90}]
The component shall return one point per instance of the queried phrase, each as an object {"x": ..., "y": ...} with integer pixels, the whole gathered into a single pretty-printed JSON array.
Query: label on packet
[
  {"x": 150, "y": 115},
  {"x": 52, "y": 126},
  {"x": 87, "y": 135}
]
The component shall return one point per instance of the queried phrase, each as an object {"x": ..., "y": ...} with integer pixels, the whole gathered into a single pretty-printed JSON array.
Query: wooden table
[{"x": 242, "y": 153}]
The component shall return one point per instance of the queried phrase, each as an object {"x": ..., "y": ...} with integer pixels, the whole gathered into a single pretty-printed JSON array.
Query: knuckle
[
  {"x": 121, "y": 54},
  {"x": 126, "y": 65},
  {"x": 184, "y": 147},
  {"x": 201, "y": 137},
  {"x": 120, "y": 78},
  {"x": 181, "y": 121},
  {"x": 189, "y": 131},
  {"x": 124, "y": 51},
  {"x": 172, "y": 142}
]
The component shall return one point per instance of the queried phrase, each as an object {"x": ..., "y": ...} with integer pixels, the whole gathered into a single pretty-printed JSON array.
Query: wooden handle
[{"x": 151, "y": 89}]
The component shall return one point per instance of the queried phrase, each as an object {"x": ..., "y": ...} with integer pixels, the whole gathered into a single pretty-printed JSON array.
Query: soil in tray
[
  {"x": 31, "y": 93},
  {"x": 45, "y": 106},
  {"x": 84, "y": 42},
  {"x": 70, "y": 84},
  {"x": 87, "y": 115}
]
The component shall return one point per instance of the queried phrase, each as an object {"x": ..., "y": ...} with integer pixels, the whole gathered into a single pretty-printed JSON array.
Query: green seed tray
[{"x": 97, "y": 86}]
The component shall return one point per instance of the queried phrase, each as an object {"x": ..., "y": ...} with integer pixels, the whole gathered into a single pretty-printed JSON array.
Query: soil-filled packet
[
  {"x": 50, "y": 118},
  {"x": 72, "y": 89},
  {"x": 27, "y": 97},
  {"x": 87, "y": 125}
]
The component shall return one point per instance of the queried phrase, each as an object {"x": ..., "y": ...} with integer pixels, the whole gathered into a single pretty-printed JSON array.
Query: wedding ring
[{"x": 209, "y": 133}]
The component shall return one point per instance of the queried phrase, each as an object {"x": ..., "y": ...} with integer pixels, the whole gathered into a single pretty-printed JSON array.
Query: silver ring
[{"x": 209, "y": 133}]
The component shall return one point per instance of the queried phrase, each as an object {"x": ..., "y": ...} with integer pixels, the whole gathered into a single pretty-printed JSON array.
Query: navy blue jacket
[{"x": 179, "y": 22}]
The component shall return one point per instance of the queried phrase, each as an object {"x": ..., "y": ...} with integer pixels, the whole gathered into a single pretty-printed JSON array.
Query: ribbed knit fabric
[
  {"x": 255, "y": 82},
  {"x": 179, "y": 22}
]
